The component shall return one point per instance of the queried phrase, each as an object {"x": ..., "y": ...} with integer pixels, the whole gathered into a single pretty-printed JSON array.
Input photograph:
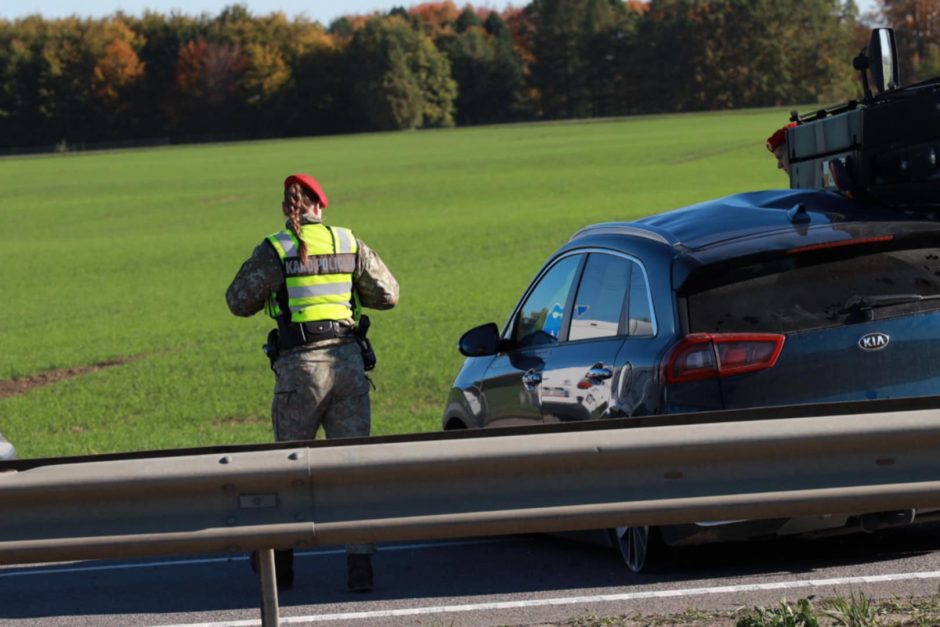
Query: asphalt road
[{"x": 519, "y": 580}]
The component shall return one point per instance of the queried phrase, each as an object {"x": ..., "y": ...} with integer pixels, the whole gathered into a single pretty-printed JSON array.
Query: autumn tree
[
  {"x": 318, "y": 93},
  {"x": 917, "y": 29},
  {"x": 486, "y": 68},
  {"x": 508, "y": 71},
  {"x": 63, "y": 79},
  {"x": 66, "y": 83},
  {"x": 116, "y": 78},
  {"x": 436, "y": 19},
  {"x": 156, "y": 99},
  {"x": 468, "y": 18},
  {"x": 741, "y": 53},
  {"x": 117, "y": 69},
  {"x": 400, "y": 80},
  {"x": 559, "y": 71},
  {"x": 579, "y": 48},
  {"x": 607, "y": 42},
  {"x": 77, "y": 81},
  {"x": 208, "y": 79},
  {"x": 26, "y": 106}
]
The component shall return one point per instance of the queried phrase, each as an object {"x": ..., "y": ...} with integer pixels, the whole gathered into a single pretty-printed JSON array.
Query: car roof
[{"x": 760, "y": 221}]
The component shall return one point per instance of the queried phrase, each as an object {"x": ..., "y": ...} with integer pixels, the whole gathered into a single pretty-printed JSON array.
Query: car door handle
[
  {"x": 599, "y": 372},
  {"x": 531, "y": 378}
]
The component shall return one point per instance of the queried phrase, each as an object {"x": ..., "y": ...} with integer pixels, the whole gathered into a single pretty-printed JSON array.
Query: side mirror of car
[
  {"x": 6, "y": 449},
  {"x": 883, "y": 56},
  {"x": 480, "y": 341}
]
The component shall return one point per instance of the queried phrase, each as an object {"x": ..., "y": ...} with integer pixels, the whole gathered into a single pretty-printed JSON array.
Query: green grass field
[{"x": 125, "y": 256}]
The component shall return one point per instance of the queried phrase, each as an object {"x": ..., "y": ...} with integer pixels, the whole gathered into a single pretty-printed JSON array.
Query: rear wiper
[
  {"x": 870, "y": 303},
  {"x": 888, "y": 300}
]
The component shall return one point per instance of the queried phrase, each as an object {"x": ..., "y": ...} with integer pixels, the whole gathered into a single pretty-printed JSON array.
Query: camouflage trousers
[{"x": 322, "y": 386}]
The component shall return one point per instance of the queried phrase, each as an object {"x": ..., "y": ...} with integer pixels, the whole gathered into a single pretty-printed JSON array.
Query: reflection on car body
[
  {"x": 729, "y": 304},
  {"x": 7, "y": 451}
]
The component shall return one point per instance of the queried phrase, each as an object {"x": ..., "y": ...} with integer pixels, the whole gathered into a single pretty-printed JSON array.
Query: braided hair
[{"x": 297, "y": 202}]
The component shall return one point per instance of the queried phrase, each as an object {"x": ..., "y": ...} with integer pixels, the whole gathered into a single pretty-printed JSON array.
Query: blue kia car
[{"x": 758, "y": 299}]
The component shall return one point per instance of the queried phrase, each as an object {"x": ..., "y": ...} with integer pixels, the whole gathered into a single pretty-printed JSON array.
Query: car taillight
[{"x": 709, "y": 355}]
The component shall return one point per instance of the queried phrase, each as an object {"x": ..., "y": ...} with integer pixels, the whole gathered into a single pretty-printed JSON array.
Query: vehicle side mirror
[
  {"x": 883, "y": 57},
  {"x": 480, "y": 341}
]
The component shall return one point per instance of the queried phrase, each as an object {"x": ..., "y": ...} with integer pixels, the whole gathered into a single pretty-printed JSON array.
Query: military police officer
[
  {"x": 313, "y": 279},
  {"x": 777, "y": 145}
]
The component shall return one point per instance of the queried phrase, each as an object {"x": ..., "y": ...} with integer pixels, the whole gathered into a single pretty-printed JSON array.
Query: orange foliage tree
[
  {"x": 209, "y": 72},
  {"x": 118, "y": 68},
  {"x": 437, "y": 18}
]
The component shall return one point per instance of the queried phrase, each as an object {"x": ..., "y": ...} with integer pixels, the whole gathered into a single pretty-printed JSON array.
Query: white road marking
[
  {"x": 600, "y": 598},
  {"x": 234, "y": 558}
]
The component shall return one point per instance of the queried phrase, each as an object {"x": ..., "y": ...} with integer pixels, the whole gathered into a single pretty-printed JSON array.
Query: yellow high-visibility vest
[{"x": 321, "y": 289}]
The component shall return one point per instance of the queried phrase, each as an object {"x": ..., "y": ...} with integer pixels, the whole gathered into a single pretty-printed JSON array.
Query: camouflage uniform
[{"x": 322, "y": 383}]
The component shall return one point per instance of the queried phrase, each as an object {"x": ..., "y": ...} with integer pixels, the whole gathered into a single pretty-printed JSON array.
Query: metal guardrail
[
  {"x": 308, "y": 494},
  {"x": 298, "y": 497}
]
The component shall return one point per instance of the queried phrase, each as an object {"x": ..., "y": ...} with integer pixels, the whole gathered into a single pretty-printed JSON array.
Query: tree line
[{"x": 78, "y": 81}]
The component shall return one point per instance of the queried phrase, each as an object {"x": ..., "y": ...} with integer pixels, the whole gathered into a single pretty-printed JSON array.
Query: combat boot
[{"x": 359, "y": 572}]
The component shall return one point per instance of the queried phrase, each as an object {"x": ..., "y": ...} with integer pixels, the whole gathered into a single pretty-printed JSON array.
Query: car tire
[
  {"x": 454, "y": 423},
  {"x": 642, "y": 548}
]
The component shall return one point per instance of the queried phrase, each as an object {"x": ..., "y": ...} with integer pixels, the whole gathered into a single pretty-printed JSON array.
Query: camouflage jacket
[{"x": 262, "y": 275}]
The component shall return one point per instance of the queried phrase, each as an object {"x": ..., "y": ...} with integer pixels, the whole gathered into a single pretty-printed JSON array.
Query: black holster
[
  {"x": 368, "y": 355},
  {"x": 270, "y": 347}
]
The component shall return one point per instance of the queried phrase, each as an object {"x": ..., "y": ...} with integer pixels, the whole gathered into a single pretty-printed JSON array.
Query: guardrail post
[{"x": 270, "y": 616}]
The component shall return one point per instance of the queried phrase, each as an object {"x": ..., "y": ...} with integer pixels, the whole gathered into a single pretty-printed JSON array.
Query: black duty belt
[{"x": 301, "y": 333}]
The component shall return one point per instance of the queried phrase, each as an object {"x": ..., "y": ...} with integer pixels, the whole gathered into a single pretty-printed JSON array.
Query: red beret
[
  {"x": 310, "y": 184},
  {"x": 780, "y": 136}
]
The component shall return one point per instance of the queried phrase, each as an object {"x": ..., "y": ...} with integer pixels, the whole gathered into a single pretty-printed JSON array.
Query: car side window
[
  {"x": 599, "y": 304},
  {"x": 541, "y": 319},
  {"x": 640, "y": 319}
]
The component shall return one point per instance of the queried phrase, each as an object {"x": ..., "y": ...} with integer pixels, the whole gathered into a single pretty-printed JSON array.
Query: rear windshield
[{"x": 815, "y": 290}]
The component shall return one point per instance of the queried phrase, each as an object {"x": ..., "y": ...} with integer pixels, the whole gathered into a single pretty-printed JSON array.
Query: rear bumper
[
  {"x": 809, "y": 527},
  {"x": 730, "y": 531}
]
